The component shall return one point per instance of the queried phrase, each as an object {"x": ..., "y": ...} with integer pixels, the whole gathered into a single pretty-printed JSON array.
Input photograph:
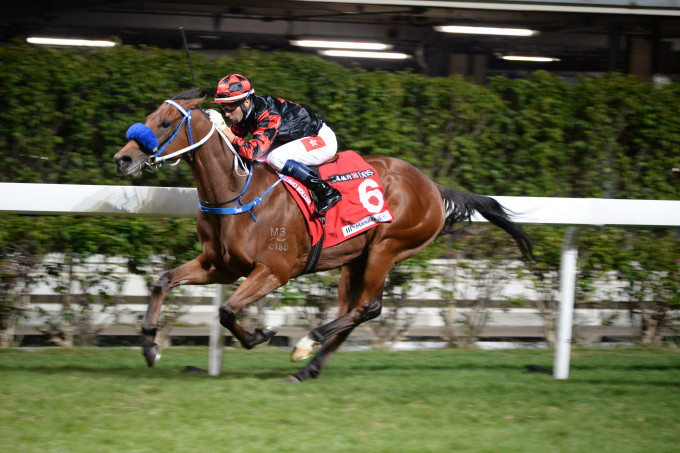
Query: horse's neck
[{"x": 216, "y": 178}]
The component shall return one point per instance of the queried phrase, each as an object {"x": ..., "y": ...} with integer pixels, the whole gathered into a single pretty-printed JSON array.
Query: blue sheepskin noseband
[{"x": 144, "y": 137}]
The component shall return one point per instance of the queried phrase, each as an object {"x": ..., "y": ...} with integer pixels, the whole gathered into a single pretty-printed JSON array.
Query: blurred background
[{"x": 579, "y": 37}]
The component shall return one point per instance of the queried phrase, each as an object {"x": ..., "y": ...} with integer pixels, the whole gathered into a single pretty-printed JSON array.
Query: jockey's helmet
[{"x": 233, "y": 88}]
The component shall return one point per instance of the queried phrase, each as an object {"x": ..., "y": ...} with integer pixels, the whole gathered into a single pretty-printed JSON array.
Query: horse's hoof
[
  {"x": 292, "y": 380},
  {"x": 268, "y": 333},
  {"x": 303, "y": 349},
  {"x": 152, "y": 355}
]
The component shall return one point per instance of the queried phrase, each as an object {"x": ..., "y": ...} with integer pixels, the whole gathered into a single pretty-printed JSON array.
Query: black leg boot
[{"x": 323, "y": 195}]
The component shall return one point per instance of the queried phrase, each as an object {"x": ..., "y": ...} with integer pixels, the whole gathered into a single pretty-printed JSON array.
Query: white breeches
[{"x": 308, "y": 151}]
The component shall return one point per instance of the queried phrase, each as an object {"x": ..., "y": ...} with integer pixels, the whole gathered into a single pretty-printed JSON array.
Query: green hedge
[{"x": 65, "y": 114}]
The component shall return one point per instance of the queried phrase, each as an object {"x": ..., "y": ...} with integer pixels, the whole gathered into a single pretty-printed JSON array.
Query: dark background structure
[{"x": 589, "y": 37}]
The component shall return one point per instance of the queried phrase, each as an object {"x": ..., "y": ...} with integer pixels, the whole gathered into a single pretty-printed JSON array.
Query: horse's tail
[{"x": 460, "y": 206}]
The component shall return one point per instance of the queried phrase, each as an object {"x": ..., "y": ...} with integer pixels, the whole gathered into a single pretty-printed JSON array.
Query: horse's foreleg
[
  {"x": 260, "y": 282},
  {"x": 331, "y": 335},
  {"x": 196, "y": 272},
  {"x": 348, "y": 293},
  {"x": 314, "y": 367}
]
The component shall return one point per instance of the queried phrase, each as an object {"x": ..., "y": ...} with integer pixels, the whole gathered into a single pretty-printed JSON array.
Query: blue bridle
[{"x": 148, "y": 143}]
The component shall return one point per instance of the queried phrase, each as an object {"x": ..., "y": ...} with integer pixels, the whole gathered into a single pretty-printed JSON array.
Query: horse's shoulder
[
  {"x": 264, "y": 175},
  {"x": 263, "y": 170}
]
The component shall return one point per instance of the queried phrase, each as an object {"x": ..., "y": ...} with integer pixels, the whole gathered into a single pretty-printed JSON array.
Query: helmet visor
[{"x": 227, "y": 98}]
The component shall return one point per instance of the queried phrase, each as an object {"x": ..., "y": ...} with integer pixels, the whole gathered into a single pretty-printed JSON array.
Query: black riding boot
[{"x": 323, "y": 195}]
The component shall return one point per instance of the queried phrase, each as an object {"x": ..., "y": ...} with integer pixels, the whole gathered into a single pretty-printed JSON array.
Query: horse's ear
[{"x": 195, "y": 103}]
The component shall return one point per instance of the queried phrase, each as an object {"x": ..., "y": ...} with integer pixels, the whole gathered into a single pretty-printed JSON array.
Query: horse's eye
[{"x": 165, "y": 124}]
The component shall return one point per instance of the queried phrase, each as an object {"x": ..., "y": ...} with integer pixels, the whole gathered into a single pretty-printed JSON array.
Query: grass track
[{"x": 107, "y": 400}]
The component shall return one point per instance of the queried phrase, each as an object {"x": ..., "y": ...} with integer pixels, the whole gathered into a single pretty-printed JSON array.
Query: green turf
[{"x": 107, "y": 400}]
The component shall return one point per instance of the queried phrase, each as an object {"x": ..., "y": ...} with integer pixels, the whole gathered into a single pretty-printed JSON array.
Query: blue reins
[{"x": 236, "y": 209}]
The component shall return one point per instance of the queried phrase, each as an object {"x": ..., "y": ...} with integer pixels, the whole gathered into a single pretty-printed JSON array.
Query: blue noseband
[{"x": 144, "y": 137}]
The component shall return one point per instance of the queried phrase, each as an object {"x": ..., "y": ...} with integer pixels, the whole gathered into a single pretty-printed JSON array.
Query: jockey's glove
[{"x": 216, "y": 118}]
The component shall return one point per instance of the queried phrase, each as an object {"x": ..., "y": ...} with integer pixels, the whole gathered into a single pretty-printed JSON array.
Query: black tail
[{"x": 460, "y": 206}]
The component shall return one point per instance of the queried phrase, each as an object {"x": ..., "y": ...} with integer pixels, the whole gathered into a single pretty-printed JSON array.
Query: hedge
[{"x": 65, "y": 114}]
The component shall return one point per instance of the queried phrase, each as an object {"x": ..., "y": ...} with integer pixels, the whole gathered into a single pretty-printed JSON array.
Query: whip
[{"x": 186, "y": 49}]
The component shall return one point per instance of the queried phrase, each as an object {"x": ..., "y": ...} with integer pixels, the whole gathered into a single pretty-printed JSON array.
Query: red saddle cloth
[{"x": 362, "y": 207}]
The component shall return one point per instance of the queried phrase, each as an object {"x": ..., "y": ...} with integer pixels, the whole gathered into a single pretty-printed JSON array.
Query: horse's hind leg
[{"x": 196, "y": 272}]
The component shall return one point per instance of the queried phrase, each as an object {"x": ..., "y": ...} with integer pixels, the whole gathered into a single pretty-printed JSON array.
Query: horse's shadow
[{"x": 143, "y": 373}]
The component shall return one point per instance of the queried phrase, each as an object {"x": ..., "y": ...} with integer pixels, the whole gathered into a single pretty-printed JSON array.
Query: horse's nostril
[
  {"x": 122, "y": 164},
  {"x": 123, "y": 161}
]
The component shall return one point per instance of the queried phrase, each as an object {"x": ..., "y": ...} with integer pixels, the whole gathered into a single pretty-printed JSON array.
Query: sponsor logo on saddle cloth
[{"x": 363, "y": 205}]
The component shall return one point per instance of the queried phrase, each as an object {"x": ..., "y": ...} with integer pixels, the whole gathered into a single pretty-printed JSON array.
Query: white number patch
[{"x": 370, "y": 196}]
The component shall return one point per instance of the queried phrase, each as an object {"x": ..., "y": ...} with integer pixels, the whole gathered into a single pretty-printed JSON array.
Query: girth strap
[{"x": 315, "y": 253}]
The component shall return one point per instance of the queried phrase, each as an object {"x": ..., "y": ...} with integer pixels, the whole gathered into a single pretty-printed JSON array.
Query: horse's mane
[{"x": 193, "y": 93}]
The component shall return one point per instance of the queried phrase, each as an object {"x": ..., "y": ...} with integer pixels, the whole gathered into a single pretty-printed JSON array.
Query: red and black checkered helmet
[{"x": 233, "y": 88}]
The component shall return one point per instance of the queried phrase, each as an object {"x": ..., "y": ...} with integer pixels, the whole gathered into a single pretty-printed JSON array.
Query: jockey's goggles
[{"x": 230, "y": 107}]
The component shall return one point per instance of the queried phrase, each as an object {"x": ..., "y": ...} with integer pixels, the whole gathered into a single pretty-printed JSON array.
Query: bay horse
[{"x": 236, "y": 245}]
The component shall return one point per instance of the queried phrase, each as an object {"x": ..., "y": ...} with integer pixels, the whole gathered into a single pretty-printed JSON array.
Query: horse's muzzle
[{"x": 127, "y": 166}]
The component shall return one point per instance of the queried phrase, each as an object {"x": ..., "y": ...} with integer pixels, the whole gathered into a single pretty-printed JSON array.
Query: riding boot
[{"x": 323, "y": 195}]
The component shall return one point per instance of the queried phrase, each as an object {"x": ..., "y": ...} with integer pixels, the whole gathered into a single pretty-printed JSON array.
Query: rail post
[
  {"x": 566, "y": 314},
  {"x": 216, "y": 336}
]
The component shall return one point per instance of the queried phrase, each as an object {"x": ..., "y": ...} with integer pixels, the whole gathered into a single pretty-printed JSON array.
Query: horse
[{"x": 236, "y": 245}]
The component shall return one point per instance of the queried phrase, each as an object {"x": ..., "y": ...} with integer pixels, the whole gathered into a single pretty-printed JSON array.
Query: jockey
[{"x": 290, "y": 137}]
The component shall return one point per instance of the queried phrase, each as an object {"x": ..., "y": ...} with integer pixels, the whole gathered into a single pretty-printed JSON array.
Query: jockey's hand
[{"x": 216, "y": 118}]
